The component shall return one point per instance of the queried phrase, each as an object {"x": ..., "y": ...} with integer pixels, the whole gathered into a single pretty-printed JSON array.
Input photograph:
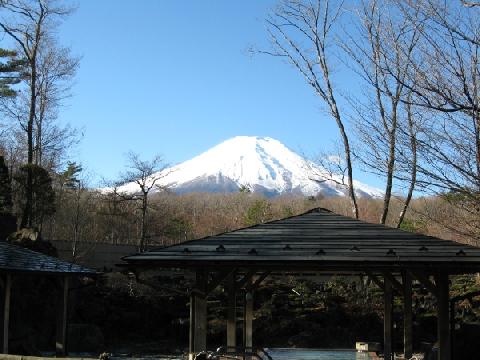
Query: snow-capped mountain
[{"x": 262, "y": 164}]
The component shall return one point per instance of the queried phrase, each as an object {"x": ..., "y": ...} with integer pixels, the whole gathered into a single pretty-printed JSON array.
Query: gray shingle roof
[
  {"x": 317, "y": 239},
  {"x": 14, "y": 258}
]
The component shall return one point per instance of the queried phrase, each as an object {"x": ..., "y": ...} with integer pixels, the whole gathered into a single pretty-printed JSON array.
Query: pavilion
[
  {"x": 317, "y": 241},
  {"x": 15, "y": 262}
]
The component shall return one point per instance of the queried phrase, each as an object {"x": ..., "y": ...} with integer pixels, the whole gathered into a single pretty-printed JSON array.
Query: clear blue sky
[{"x": 175, "y": 78}]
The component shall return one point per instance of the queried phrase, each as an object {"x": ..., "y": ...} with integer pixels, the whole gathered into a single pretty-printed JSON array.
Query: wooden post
[
  {"x": 62, "y": 319},
  {"x": 2, "y": 307},
  {"x": 248, "y": 320},
  {"x": 443, "y": 324},
  {"x": 388, "y": 320},
  {"x": 452, "y": 327},
  {"x": 6, "y": 311},
  {"x": 407, "y": 316},
  {"x": 231, "y": 315},
  {"x": 191, "y": 335},
  {"x": 198, "y": 315}
]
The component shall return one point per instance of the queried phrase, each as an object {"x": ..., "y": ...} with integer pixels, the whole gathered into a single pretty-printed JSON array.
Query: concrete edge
[{"x": 22, "y": 357}]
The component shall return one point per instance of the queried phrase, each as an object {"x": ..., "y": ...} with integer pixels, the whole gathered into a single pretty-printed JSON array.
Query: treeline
[{"x": 106, "y": 217}]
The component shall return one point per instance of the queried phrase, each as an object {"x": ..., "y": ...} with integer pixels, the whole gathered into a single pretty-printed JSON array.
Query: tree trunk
[
  {"x": 141, "y": 247},
  {"x": 390, "y": 170},
  {"x": 346, "y": 145},
  {"x": 413, "y": 176},
  {"x": 351, "y": 189},
  {"x": 348, "y": 160},
  {"x": 27, "y": 220}
]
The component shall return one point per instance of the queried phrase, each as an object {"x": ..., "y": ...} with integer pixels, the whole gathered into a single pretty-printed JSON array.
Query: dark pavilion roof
[
  {"x": 317, "y": 240},
  {"x": 14, "y": 258}
]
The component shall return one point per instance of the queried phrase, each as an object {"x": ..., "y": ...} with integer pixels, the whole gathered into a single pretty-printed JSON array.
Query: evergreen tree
[
  {"x": 43, "y": 196},
  {"x": 12, "y": 71},
  {"x": 69, "y": 178},
  {"x": 5, "y": 189},
  {"x": 244, "y": 189},
  {"x": 258, "y": 212}
]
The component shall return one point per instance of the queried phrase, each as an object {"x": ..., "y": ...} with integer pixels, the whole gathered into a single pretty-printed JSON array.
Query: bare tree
[
  {"x": 300, "y": 32},
  {"x": 328, "y": 167},
  {"x": 407, "y": 157},
  {"x": 381, "y": 37},
  {"x": 444, "y": 78},
  {"x": 56, "y": 69},
  {"x": 145, "y": 175},
  {"x": 29, "y": 23}
]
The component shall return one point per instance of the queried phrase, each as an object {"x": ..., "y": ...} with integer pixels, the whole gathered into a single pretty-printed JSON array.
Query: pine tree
[
  {"x": 69, "y": 178},
  {"x": 5, "y": 189},
  {"x": 12, "y": 71},
  {"x": 43, "y": 197}
]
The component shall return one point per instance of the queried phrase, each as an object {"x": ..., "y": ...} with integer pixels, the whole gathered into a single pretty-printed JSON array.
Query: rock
[
  {"x": 85, "y": 338},
  {"x": 104, "y": 356},
  {"x": 31, "y": 234},
  {"x": 30, "y": 238},
  {"x": 201, "y": 356}
]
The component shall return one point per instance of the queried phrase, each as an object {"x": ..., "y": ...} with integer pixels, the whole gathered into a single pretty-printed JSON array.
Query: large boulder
[
  {"x": 25, "y": 234},
  {"x": 30, "y": 238}
]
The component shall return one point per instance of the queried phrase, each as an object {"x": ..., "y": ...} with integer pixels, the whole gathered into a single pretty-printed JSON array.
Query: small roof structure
[
  {"x": 16, "y": 259},
  {"x": 318, "y": 240}
]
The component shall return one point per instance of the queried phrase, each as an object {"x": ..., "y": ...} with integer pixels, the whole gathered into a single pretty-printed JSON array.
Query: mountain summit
[{"x": 261, "y": 164}]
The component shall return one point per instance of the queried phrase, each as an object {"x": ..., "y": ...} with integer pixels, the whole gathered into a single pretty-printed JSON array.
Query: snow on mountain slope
[{"x": 262, "y": 164}]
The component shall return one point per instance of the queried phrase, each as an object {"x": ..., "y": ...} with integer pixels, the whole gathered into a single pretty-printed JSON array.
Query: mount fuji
[{"x": 261, "y": 164}]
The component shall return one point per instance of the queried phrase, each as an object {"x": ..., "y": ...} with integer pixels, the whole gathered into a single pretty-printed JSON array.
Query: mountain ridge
[{"x": 262, "y": 164}]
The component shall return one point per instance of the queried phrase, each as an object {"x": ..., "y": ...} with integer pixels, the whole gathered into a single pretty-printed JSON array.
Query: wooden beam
[
  {"x": 443, "y": 325},
  {"x": 258, "y": 281},
  {"x": 231, "y": 314},
  {"x": 425, "y": 281},
  {"x": 246, "y": 278},
  {"x": 388, "y": 320},
  {"x": 198, "y": 315},
  {"x": 6, "y": 311},
  {"x": 62, "y": 317},
  {"x": 376, "y": 280},
  {"x": 217, "y": 280},
  {"x": 407, "y": 316},
  {"x": 396, "y": 284},
  {"x": 248, "y": 321}
]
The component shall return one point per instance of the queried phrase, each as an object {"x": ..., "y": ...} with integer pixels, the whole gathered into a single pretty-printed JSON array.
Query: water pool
[
  {"x": 310, "y": 354},
  {"x": 280, "y": 354}
]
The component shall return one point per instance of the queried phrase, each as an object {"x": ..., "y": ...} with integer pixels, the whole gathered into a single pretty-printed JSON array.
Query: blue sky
[{"x": 175, "y": 78}]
